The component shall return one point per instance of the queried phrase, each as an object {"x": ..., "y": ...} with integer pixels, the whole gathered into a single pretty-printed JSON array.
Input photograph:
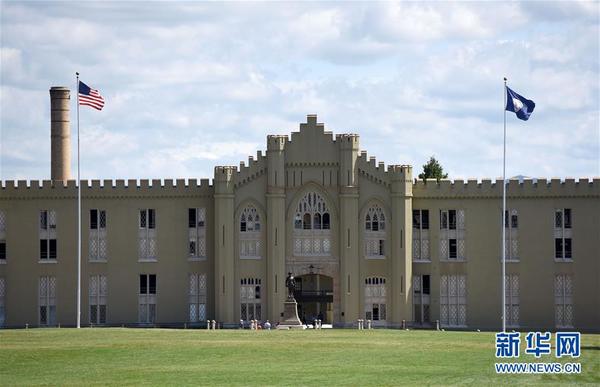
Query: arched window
[
  {"x": 250, "y": 234},
  {"x": 375, "y": 299},
  {"x": 375, "y": 233},
  {"x": 312, "y": 234}
]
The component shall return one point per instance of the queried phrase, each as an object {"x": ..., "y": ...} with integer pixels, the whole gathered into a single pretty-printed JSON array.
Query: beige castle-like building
[{"x": 364, "y": 241}]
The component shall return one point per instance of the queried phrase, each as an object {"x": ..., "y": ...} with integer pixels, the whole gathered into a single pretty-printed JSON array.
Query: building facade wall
[{"x": 312, "y": 161}]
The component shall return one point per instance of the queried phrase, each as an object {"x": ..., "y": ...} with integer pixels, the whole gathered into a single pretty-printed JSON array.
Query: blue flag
[{"x": 519, "y": 105}]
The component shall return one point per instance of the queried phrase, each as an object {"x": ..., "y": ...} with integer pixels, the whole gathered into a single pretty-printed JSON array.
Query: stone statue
[{"x": 290, "y": 283}]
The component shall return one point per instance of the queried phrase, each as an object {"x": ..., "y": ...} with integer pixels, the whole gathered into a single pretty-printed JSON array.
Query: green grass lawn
[{"x": 231, "y": 357}]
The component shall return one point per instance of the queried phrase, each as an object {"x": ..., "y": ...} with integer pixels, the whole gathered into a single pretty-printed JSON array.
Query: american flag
[{"x": 90, "y": 97}]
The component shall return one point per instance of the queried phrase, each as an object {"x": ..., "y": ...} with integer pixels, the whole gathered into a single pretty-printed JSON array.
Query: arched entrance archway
[{"x": 314, "y": 294}]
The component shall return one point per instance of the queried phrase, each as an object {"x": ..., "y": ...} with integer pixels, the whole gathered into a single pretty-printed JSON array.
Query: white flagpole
[
  {"x": 78, "y": 218},
  {"x": 504, "y": 219}
]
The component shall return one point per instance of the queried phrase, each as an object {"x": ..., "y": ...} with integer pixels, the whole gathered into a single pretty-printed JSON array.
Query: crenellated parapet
[
  {"x": 348, "y": 141},
  {"x": 98, "y": 189},
  {"x": 370, "y": 169},
  {"x": 487, "y": 188},
  {"x": 256, "y": 167}
]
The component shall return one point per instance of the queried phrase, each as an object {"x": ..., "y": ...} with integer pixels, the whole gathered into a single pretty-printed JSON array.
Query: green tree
[{"x": 433, "y": 170}]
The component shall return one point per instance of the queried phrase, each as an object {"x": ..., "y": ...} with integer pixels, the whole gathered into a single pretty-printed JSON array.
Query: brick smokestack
[{"x": 60, "y": 137}]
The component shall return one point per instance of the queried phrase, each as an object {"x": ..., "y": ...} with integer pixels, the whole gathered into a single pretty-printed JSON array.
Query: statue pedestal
[{"x": 290, "y": 316}]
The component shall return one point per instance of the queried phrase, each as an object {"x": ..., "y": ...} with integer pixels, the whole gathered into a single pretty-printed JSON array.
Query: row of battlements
[
  {"x": 7, "y": 185},
  {"x": 562, "y": 187}
]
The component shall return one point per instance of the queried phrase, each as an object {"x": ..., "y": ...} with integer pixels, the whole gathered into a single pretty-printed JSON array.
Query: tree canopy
[{"x": 433, "y": 170}]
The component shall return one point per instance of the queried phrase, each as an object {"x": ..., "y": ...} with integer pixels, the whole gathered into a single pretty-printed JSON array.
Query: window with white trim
[
  {"x": 98, "y": 296},
  {"x": 197, "y": 233},
  {"x": 563, "y": 300},
  {"x": 250, "y": 306},
  {"x": 511, "y": 243},
  {"x": 375, "y": 235},
  {"x": 421, "y": 298},
  {"x": 312, "y": 227},
  {"x": 511, "y": 287},
  {"x": 375, "y": 299},
  {"x": 147, "y": 299},
  {"x": 250, "y": 234},
  {"x": 2, "y": 237},
  {"x": 563, "y": 244},
  {"x": 48, "y": 244},
  {"x": 197, "y": 297},
  {"x": 2, "y": 297},
  {"x": 147, "y": 235},
  {"x": 453, "y": 300},
  {"x": 47, "y": 301},
  {"x": 420, "y": 246},
  {"x": 452, "y": 235},
  {"x": 97, "y": 235}
]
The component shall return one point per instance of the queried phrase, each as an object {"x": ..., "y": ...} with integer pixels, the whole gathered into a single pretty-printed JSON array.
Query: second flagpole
[
  {"x": 78, "y": 218},
  {"x": 503, "y": 217}
]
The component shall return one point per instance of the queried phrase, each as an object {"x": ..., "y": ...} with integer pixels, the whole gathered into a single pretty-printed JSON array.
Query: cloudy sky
[{"x": 192, "y": 85}]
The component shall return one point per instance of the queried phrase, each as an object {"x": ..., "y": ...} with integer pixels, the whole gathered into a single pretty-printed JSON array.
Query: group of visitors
[{"x": 255, "y": 325}]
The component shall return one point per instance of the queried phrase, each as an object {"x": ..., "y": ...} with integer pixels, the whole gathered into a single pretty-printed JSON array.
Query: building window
[
  {"x": 2, "y": 237},
  {"x": 250, "y": 234},
  {"x": 420, "y": 246},
  {"x": 511, "y": 226},
  {"x": 250, "y": 306},
  {"x": 197, "y": 296},
  {"x": 48, "y": 245},
  {"x": 421, "y": 298},
  {"x": 312, "y": 227},
  {"x": 2, "y": 297},
  {"x": 453, "y": 300},
  {"x": 511, "y": 286},
  {"x": 452, "y": 235},
  {"x": 98, "y": 296},
  {"x": 147, "y": 299},
  {"x": 47, "y": 301},
  {"x": 375, "y": 233},
  {"x": 563, "y": 296},
  {"x": 563, "y": 244},
  {"x": 147, "y": 235},
  {"x": 197, "y": 233},
  {"x": 375, "y": 299},
  {"x": 97, "y": 235}
]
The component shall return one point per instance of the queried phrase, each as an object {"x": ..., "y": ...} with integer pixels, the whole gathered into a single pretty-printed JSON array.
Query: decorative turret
[
  {"x": 276, "y": 162},
  {"x": 401, "y": 179}
]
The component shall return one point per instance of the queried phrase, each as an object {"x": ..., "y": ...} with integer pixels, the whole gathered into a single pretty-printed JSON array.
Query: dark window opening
[
  {"x": 452, "y": 249},
  {"x": 143, "y": 284},
  {"x": 558, "y": 247},
  {"x": 306, "y": 221},
  {"x": 568, "y": 248},
  {"x": 192, "y": 218},
  {"x": 52, "y": 253},
  {"x": 425, "y": 219},
  {"x": 43, "y": 249},
  {"x": 152, "y": 283},
  {"x": 426, "y": 284},
  {"x": 452, "y": 219},
  {"x": 417, "y": 219},
  {"x": 151, "y": 219},
  {"x": 94, "y": 219},
  {"x": 567, "y": 218},
  {"x": 326, "y": 221}
]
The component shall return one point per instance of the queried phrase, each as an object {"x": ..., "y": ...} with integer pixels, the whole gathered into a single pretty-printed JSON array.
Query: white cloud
[{"x": 193, "y": 85}]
